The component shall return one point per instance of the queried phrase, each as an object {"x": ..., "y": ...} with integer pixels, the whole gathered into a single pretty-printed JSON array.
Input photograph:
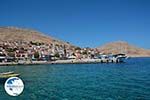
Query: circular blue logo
[{"x": 14, "y": 86}]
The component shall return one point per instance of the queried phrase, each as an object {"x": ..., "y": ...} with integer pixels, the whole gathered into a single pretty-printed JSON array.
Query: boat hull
[{"x": 4, "y": 77}]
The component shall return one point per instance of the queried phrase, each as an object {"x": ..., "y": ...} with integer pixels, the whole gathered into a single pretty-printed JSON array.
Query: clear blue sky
[{"x": 86, "y": 23}]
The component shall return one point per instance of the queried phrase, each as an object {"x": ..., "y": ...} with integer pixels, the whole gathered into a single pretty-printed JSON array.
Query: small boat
[
  {"x": 9, "y": 75},
  {"x": 6, "y": 73},
  {"x": 4, "y": 76}
]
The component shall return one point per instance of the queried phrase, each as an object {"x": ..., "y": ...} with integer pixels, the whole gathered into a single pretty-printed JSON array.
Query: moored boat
[
  {"x": 120, "y": 57},
  {"x": 6, "y": 73},
  {"x": 9, "y": 75},
  {"x": 116, "y": 58},
  {"x": 4, "y": 76}
]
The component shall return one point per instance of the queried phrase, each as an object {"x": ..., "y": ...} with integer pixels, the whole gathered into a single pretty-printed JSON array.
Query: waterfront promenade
[{"x": 69, "y": 61}]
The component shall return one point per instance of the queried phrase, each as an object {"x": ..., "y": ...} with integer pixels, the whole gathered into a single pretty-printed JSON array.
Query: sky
[{"x": 85, "y": 23}]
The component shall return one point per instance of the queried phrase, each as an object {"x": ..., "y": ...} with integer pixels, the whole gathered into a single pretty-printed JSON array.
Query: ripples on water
[{"x": 125, "y": 81}]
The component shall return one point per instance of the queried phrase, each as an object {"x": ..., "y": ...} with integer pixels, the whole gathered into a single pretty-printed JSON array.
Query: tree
[
  {"x": 36, "y": 55},
  {"x": 10, "y": 49},
  {"x": 11, "y": 54},
  {"x": 85, "y": 53},
  {"x": 77, "y": 48},
  {"x": 57, "y": 55},
  {"x": 36, "y": 43}
]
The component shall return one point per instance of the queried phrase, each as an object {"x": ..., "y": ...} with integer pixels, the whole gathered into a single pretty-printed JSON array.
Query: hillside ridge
[{"x": 123, "y": 47}]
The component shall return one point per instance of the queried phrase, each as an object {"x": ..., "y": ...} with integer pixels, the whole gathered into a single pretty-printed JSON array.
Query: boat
[
  {"x": 103, "y": 58},
  {"x": 120, "y": 57},
  {"x": 116, "y": 58},
  {"x": 4, "y": 76},
  {"x": 9, "y": 75},
  {"x": 6, "y": 73}
]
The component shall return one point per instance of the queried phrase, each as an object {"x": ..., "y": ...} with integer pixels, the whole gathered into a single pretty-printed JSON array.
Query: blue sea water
[{"x": 124, "y": 81}]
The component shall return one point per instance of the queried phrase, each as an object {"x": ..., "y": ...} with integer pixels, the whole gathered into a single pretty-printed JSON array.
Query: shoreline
[
  {"x": 54, "y": 62},
  {"x": 71, "y": 61}
]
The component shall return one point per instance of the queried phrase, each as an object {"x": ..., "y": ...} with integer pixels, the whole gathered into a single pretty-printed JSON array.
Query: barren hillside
[
  {"x": 26, "y": 35},
  {"x": 124, "y": 47}
]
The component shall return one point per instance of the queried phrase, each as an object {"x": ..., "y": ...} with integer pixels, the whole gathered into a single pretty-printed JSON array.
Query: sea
[{"x": 101, "y": 81}]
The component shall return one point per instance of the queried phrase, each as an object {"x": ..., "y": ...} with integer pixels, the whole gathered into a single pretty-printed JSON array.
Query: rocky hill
[
  {"x": 124, "y": 47},
  {"x": 27, "y": 35}
]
